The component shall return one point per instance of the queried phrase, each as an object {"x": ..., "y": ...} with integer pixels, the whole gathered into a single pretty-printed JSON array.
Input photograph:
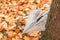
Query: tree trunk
[{"x": 53, "y": 24}]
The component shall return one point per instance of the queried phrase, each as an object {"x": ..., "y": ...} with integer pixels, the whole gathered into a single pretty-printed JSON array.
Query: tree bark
[{"x": 53, "y": 24}]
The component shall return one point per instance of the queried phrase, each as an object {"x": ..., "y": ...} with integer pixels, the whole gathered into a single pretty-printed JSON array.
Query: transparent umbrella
[{"x": 37, "y": 20}]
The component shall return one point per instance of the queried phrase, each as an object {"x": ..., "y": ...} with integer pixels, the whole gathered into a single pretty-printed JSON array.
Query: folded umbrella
[{"x": 37, "y": 20}]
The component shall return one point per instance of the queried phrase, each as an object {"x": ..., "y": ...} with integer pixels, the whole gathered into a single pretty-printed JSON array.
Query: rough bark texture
[{"x": 53, "y": 24}]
